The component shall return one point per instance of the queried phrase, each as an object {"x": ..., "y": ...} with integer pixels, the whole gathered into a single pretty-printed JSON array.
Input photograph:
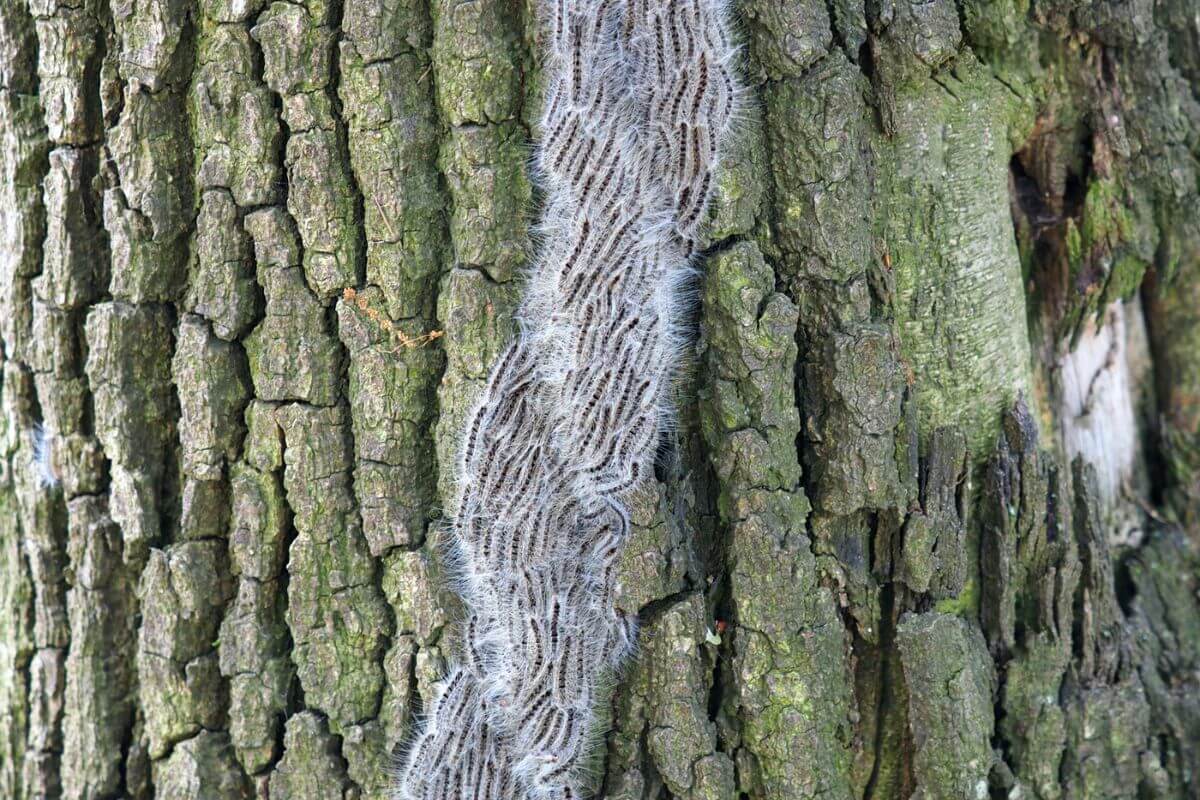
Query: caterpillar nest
[{"x": 640, "y": 97}]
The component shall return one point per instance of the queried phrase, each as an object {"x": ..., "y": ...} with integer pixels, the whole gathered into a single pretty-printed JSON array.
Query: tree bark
[{"x": 929, "y": 522}]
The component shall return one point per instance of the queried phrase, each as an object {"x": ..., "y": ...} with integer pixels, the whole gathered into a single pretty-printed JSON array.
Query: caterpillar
[{"x": 640, "y": 99}]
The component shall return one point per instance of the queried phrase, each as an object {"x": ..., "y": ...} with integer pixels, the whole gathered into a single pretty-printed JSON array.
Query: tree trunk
[{"x": 929, "y": 523}]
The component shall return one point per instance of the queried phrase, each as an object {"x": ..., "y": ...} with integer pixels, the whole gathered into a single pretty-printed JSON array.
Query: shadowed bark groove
[{"x": 927, "y": 523}]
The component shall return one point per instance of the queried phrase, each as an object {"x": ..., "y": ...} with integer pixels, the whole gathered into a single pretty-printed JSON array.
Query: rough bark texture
[{"x": 929, "y": 522}]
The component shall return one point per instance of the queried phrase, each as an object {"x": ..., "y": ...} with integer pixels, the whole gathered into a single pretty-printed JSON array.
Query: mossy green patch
[{"x": 966, "y": 604}]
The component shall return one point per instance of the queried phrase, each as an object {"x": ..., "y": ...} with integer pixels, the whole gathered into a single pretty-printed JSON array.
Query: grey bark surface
[{"x": 929, "y": 524}]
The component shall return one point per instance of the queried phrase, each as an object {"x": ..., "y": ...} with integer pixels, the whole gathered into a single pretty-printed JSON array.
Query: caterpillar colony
[{"x": 640, "y": 98}]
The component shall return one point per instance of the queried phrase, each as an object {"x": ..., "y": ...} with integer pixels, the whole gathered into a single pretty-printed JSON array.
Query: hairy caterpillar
[
  {"x": 43, "y": 457},
  {"x": 639, "y": 100}
]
